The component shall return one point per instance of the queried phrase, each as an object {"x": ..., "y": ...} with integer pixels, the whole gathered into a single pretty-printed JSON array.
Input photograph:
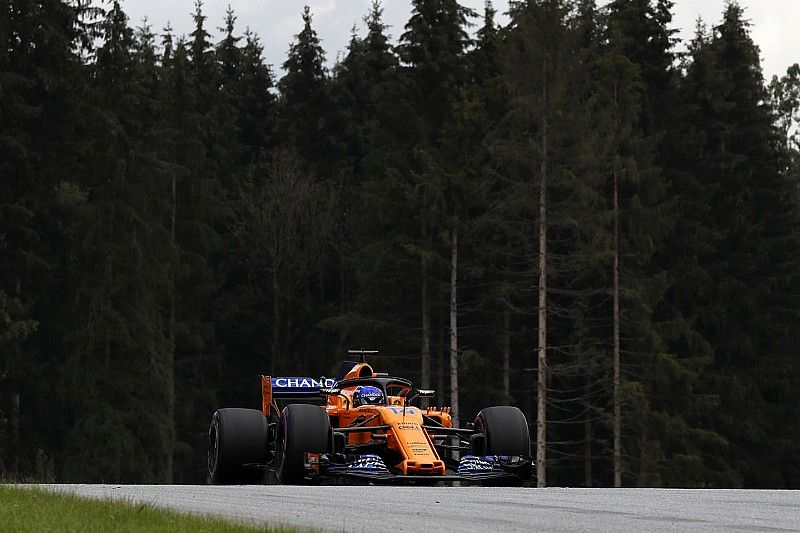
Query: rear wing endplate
[{"x": 290, "y": 388}]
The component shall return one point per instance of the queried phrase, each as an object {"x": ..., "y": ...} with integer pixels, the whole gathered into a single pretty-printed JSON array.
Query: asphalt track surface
[{"x": 444, "y": 509}]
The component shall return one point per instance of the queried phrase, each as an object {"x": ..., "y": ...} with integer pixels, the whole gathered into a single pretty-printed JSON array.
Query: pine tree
[
  {"x": 202, "y": 62},
  {"x": 359, "y": 85},
  {"x": 359, "y": 82},
  {"x": 661, "y": 336},
  {"x": 639, "y": 30},
  {"x": 433, "y": 48},
  {"x": 254, "y": 97},
  {"x": 305, "y": 105},
  {"x": 221, "y": 124},
  {"x": 228, "y": 53},
  {"x": 119, "y": 293},
  {"x": 40, "y": 72},
  {"x": 193, "y": 213},
  {"x": 539, "y": 146},
  {"x": 748, "y": 223}
]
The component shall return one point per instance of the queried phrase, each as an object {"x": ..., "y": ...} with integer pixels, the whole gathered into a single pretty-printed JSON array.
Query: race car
[{"x": 366, "y": 430}]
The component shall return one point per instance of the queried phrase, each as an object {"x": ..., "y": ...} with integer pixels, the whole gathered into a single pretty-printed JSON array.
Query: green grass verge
[{"x": 34, "y": 510}]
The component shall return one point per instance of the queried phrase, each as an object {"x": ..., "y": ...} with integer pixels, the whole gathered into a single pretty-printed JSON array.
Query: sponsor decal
[
  {"x": 369, "y": 395},
  {"x": 303, "y": 383},
  {"x": 368, "y": 462},
  {"x": 362, "y": 464},
  {"x": 472, "y": 464},
  {"x": 408, "y": 410}
]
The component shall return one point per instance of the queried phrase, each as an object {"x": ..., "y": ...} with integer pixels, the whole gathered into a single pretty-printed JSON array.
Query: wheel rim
[
  {"x": 481, "y": 427},
  {"x": 213, "y": 449},
  {"x": 280, "y": 449}
]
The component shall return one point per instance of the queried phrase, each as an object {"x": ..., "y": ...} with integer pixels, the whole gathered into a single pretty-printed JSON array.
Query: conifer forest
[{"x": 570, "y": 212}]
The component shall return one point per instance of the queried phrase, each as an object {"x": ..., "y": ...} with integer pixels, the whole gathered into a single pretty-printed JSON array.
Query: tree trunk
[
  {"x": 287, "y": 328},
  {"x": 644, "y": 475},
  {"x": 507, "y": 356},
  {"x": 541, "y": 396},
  {"x": 454, "y": 328},
  {"x": 172, "y": 320},
  {"x": 587, "y": 438},
  {"x": 615, "y": 347},
  {"x": 425, "y": 373},
  {"x": 15, "y": 447},
  {"x": 342, "y": 230},
  {"x": 276, "y": 319},
  {"x": 15, "y": 435},
  {"x": 440, "y": 395},
  {"x": 342, "y": 332}
]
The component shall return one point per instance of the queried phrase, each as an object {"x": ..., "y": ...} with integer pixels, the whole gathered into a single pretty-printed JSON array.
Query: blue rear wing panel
[{"x": 299, "y": 387}]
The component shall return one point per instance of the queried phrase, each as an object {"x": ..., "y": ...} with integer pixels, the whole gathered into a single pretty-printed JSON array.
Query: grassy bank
[{"x": 33, "y": 510}]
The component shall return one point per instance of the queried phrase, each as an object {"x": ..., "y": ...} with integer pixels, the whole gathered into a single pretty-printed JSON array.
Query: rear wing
[{"x": 290, "y": 388}]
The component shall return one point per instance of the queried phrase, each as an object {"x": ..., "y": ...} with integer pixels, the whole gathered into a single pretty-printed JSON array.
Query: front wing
[{"x": 371, "y": 468}]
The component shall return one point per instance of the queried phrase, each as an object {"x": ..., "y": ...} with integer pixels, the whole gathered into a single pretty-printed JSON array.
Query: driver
[{"x": 368, "y": 395}]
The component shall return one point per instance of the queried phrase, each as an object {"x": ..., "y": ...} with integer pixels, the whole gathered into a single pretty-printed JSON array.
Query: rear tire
[
  {"x": 237, "y": 437},
  {"x": 302, "y": 429}
]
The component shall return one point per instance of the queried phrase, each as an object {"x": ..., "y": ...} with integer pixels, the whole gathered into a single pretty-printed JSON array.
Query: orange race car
[{"x": 367, "y": 430}]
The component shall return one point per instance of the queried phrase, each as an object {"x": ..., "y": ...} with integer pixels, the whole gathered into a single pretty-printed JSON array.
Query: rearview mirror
[
  {"x": 332, "y": 391},
  {"x": 420, "y": 393}
]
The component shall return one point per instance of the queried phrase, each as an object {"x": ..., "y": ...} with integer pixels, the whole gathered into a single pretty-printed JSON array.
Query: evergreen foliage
[{"x": 176, "y": 218}]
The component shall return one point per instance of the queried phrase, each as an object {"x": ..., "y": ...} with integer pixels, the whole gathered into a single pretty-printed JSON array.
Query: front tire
[
  {"x": 236, "y": 438},
  {"x": 506, "y": 431},
  {"x": 302, "y": 429}
]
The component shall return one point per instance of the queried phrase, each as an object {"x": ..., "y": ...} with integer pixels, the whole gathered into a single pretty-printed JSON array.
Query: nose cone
[{"x": 408, "y": 438}]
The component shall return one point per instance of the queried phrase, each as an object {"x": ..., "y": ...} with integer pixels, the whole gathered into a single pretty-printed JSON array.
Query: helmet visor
[{"x": 369, "y": 396}]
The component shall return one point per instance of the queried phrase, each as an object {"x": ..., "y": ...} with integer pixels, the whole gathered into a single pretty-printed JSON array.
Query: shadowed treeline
[{"x": 563, "y": 211}]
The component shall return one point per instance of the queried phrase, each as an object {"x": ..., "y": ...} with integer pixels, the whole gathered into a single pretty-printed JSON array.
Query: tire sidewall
[
  {"x": 506, "y": 431},
  {"x": 214, "y": 462},
  {"x": 281, "y": 463},
  {"x": 237, "y": 437},
  {"x": 302, "y": 428}
]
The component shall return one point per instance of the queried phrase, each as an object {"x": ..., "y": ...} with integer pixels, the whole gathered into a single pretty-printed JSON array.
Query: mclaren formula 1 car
[{"x": 369, "y": 430}]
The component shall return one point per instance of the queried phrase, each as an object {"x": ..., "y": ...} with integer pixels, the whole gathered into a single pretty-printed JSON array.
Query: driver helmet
[{"x": 367, "y": 395}]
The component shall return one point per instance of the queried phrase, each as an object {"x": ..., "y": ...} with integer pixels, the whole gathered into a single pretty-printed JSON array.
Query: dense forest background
[{"x": 175, "y": 220}]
